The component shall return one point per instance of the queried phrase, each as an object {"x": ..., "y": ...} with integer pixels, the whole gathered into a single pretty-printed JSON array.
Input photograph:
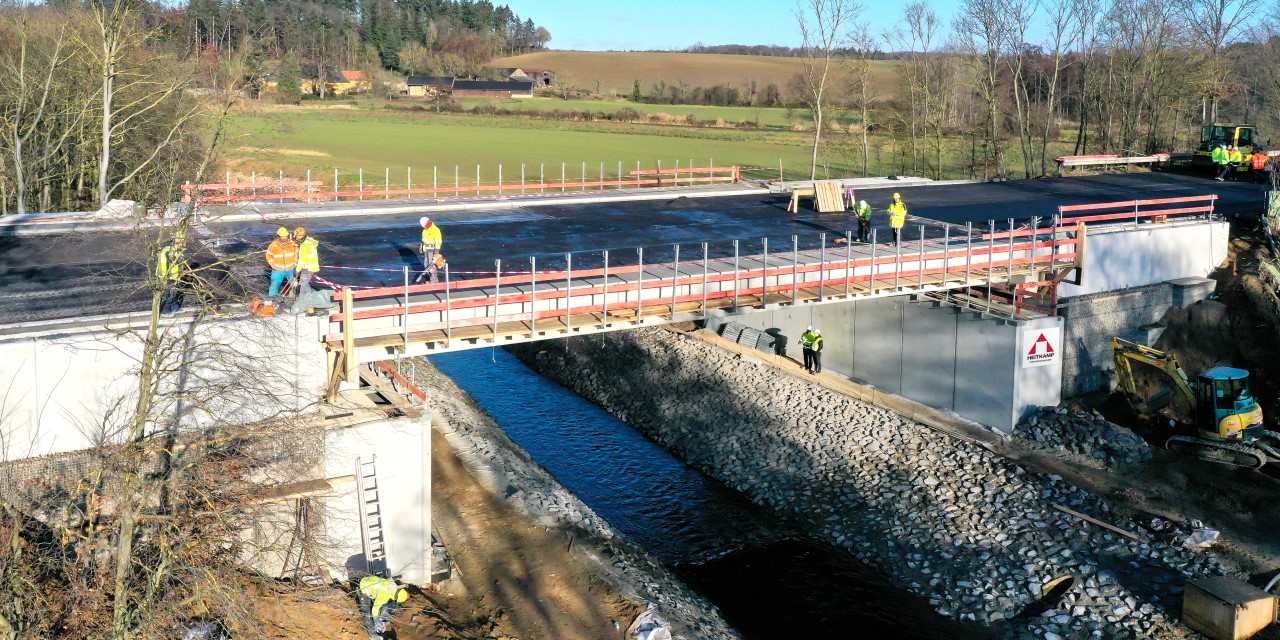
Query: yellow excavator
[{"x": 1213, "y": 416}]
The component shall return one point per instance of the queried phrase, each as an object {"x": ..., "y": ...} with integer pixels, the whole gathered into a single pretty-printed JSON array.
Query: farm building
[
  {"x": 492, "y": 89},
  {"x": 357, "y": 82},
  {"x": 337, "y": 82},
  {"x": 423, "y": 86},
  {"x": 539, "y": 77}
]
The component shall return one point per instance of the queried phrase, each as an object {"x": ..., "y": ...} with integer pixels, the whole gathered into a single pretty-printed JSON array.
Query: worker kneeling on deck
[
  {"x": 379, "y": 598},
  {"x": 432, "y": 240},
  {"x": 282, "y": 257}
]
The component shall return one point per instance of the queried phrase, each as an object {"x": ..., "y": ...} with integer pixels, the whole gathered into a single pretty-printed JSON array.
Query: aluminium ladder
[{"x": 372, "y": 535}]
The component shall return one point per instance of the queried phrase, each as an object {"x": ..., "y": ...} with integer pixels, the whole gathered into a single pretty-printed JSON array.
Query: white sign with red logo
[{"x": 1043, "y": 347}]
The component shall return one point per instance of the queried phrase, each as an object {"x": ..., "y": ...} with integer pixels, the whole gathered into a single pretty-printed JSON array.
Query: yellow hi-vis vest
[
  {"x": 380, "y": 590},
  {"x": 169, "y": 263},
  {"x": 897, "y": 214},
  {"x": 309, "y": 255},
  {"x": 806, "y": 339},
  {"x": 431, "y": 237}
]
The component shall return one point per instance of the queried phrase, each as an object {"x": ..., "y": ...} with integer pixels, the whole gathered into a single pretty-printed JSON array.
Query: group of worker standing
[
  {"x": 811, "y": 344},
  {"x": 292, "y": 255},
  {"x": 1226, "y": 156},
  {"x": 897, "y": 217},
  {"x": 298, "y": 254}
]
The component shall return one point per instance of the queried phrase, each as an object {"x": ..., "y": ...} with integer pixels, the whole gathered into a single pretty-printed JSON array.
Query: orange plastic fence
[{"x": 309, "y": 191}]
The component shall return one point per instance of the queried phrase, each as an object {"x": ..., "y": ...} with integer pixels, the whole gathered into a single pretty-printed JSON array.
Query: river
[{"x": 768, "y": 581}]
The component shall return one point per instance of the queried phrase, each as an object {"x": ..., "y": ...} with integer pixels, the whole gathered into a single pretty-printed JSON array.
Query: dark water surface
[{"x": 767, "y": 582}]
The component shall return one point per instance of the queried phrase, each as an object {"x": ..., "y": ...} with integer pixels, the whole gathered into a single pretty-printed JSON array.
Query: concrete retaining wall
[
  {"x": 401, "y": 449},
  {"x": 1091, "y": 322},
  {"x": 1123, "y": 257},
  {"x": 1132, "y": 314},
  {"x": 938, "y": 355},
  {"x": 66, "y": 392}
]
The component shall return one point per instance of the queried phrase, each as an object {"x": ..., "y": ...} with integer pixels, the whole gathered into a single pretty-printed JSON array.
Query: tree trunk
[
  {"x": 866, "y": 152},
  {"x": 19, "y": 173},
  {"x": 817, "y": 137},
  {"x": 104, "y": 164}
]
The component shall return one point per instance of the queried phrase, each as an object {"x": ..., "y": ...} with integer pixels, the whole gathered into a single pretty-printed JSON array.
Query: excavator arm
[{"x": 1125, "y": 353}]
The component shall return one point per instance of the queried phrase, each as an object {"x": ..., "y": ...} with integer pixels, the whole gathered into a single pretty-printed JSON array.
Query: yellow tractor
[
  {"x": 1241, "y": 136},
  {"x": 1214, "y": 416}
]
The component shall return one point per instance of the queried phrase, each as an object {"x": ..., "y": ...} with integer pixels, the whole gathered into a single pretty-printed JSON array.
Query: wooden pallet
[{"x": 830, "y": 196}]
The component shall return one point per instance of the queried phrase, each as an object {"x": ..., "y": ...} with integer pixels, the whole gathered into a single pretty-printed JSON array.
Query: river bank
[
  {"x": 587, "y": 542},
  {"x": 953, "y": 522},
  {"x": 764, "y": 576}
]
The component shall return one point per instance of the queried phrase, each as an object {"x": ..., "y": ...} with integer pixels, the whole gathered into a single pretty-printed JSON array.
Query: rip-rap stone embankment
[{"x": 961, "y": 526}]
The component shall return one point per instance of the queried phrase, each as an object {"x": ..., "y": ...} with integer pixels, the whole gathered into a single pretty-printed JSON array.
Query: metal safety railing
[
  {"x": 280, "y": 188},
  {"x": 532, "y": 304},
  {"x": 1155, "y": 210}
]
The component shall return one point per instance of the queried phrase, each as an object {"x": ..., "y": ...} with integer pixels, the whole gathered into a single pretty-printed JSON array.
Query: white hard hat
[
  {"x": 862, "y": 203},
  {"x": 817, "y": 332},
  {"x": 422, "y": 222},
  {"x": 809, "y": 328}
]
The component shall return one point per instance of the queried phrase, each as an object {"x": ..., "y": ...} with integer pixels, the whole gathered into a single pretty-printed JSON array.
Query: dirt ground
[{"x": 513, "y": 581}]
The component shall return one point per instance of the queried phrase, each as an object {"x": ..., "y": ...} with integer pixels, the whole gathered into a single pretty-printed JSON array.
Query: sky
[{"x": 613, "y": 25}]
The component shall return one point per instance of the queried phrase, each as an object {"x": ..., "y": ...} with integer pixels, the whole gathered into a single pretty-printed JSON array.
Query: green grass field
[{"x": 293, "y": 140}]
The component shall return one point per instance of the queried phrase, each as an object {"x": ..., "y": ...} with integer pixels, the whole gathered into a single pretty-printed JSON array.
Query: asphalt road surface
[{"x": 96, "y": 273}]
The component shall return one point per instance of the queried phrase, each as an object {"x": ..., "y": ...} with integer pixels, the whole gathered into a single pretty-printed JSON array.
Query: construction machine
[
  {"x": 1241, "y": 136},
  {"x": 1214, "y": 416}
]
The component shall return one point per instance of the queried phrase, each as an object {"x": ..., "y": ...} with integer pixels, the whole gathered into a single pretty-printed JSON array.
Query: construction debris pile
[
  {"x": 976, "y": 535},
  {"x": 1083, "y": 433}
]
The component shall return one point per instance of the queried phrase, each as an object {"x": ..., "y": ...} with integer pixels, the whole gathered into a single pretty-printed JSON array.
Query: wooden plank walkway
[{"x": 438, "y": 337}]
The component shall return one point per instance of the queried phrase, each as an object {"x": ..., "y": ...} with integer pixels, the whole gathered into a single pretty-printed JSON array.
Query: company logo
[{"x": 1044, "y": 347}]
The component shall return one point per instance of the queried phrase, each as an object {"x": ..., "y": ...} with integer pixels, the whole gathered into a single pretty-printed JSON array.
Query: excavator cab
[{"x": 1225, "y": 406}]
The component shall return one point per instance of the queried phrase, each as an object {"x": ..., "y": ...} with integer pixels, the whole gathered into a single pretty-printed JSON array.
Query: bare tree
[
  {"x": 862, "y": 91},
  {"x": 30, "y": 93},
  {"x": 1018, "y": 15},
  {"x": 131, "y": 91},
  {"x": 979, "y": 28},
  {"x": 150, "y": 521},
  {"x": 1065, "y": 31},
  {"x": 1213, "y": 25},
  {"x": 823, "y": 30},
  {"x": 924, "y": 26}
]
